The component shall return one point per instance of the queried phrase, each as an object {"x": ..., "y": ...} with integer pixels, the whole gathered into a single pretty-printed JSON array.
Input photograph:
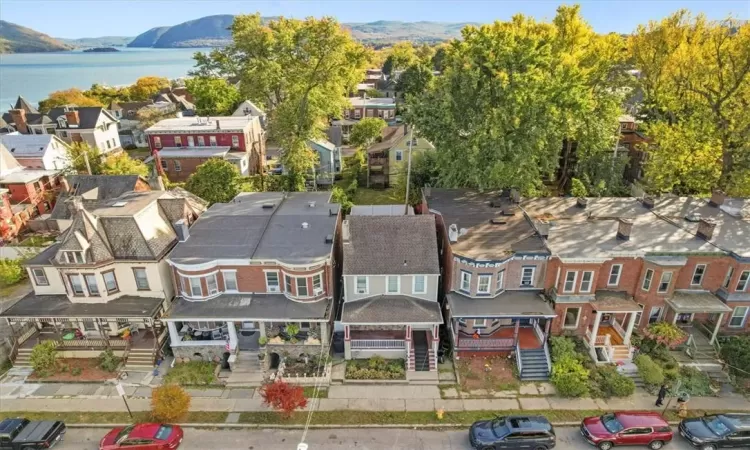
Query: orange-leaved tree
[{"x": 283, "y": 397}]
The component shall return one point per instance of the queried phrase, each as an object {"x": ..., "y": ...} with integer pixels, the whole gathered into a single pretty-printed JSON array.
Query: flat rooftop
[
  {"x": 198, "y": 124},
  {"x": 26, "y": 176},
  {"x": 381, "y": 102}
]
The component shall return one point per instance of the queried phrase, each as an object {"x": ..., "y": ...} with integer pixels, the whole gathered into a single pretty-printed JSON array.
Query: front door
[{"x": 247, "y": 335}]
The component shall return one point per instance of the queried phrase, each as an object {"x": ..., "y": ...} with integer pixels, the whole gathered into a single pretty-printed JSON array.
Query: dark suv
[
  {"x": 21, "y": 434},
  {"x": 512, "y": 432},
  {"x": 717, "y": 431}
]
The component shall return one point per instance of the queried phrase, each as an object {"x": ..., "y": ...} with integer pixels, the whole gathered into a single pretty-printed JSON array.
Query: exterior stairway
[
  {"x": 423, "y": 358},
  {"x": 246, "y": 370},
  {"x": 534, "y": 365},
  {"x": 23, "y": 359},
  {"x": 706, "y": 359},
  {"x": 140, "y": 360},
  {"x": 621, "y": 353}
]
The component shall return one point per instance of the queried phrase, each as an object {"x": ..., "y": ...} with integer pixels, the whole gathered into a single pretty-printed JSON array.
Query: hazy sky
[{"x": 91, "y": 18}]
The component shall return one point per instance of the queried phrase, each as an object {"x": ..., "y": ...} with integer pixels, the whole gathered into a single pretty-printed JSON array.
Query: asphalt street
[{"x": 339, "y": 439}]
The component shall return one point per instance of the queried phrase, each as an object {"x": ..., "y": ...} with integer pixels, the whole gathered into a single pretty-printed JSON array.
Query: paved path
[{"x": 341, "y": 439}]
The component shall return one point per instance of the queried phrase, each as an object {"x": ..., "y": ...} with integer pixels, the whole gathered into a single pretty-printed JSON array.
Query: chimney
[
  {"x": 624, "y": 228},
  {"x": 706, "y": 228},
  {"x": 182, "y": 231},
  {"x": 19, "y": 119},
  {"x": 515, "y": 196},
  {"x": 64, "y": 184},
  {"x": 72, "y": 118},
  {"x": 717, "y": 198},
  {"x": 453, "y": 233},
  {"x": 649, "y": 202},
  {"x": 218, "y": 126},
  {"x": 582, "y": 202},
  {"x": 305, "y": 225},
  {"x": 543, "y": 227},
  {"x": 345, "y": 236}
]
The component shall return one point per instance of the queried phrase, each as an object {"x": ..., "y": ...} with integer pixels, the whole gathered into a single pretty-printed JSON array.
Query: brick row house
[
  {"x": 384, "y": 108},
  {"x": 256, "y": 279},
  {"x": 181, "y": 144}
]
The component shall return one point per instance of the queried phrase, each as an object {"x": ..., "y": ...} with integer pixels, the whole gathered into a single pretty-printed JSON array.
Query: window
[
  {"x": 164, "y": 164},
  {"x": 393, "y": 285},
  {"x": 700, "y": 270},
  {"x": 288, "y": 283},
  {"x": 212, "y": 141},
  {"x": 527, "y": 276},
  {"x": 399, "y": 155},
  {"x": 74, "y": 257},
  {"x": 465, "y": 281},
  {"x": 110, "y": 282},
  {"x": 76, "y": 285},
  {"x": 64, "y": 133},
  {"x": 302, "y": 287},
  {"x": 738, "y": 317},
  {"x": 157, "y": 142},
  {"x": 483, "y": 287},
  {"x": 178, "y": 141},
  {"x": 380, "y": 113},
  {"x": 235, "y": 141},
  {"x": 317, "y": 284},
  {"x": 192, "y": 287},
  {"x": 586, "y": 279},
  {"x": 272, "y": 282},
  {"x": 637, "y": 431},
  {"x": 647, "y": 279},
  {"x": 571, "y": 318},
  {"x": 213, "y": 285},
  {"x": 91, "y": 284},
  {"x": 480, "y": 323},
  {"x": 655, "y": 314},
  {"x": 141, "y": 280},
  {"x": 728, "y": 278},
  {"x": 570, "y": 281},
  {"x": 639, "y": 314},
  {"x": 109, "y": 145},
  {"x": 191, "y": 141},
  {"x": 614, "y": 275},
  {"x": 40, "y": 278},
  {"x": 500, "y": 281},
  {"x": 666, "y": 280},
  {"x": 201, "y": 141},
  {"x": 357, "y": 113},
  {"x": 177, "y": 166},
  {"x": 742, "y": 282},
  {"x": 362, "y": 285},
  {"x": 462, "y": 321},
  {"x": 230, "y": 280},
  {"x": 420, "y": 286}
]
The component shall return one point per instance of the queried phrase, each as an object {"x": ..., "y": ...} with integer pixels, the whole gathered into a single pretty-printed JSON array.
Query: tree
[
  {"x": 423, "y": 173},
  {"x": 415, "y": 80},
  {"x": 283, "y": 397},
  {"x": 67, "y": 97},
  {"x": 149, "y": 116},
  {"x": 367, "y": 131},
  {"x": 424, "y": 53},
  {"x": 122, "y": 164},
  {"x": 147, "y": 87},
  {"x": 437, "y": 58},
  {"x": 402, "y": 56},
  {"x": 213, "y": 96},
  {"x": 373, "y": 93},
  {"x": 215, "y": 181},
  {"x": 170, "y": 403},
  {"x": 299, "y": 70},
  {"x": 77, "y": 154},
  {"x": 695, "y": 74},
  {"x": 577, "y": 188},
  {"x": 108, "y": 94}
]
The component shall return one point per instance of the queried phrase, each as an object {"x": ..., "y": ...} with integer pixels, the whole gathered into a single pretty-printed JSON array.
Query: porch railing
[
  {"x": 608, "y": 349},
  {"x": 538, "y": 331},
  {"x": 27, "y": 331},
  {"x": 390, "y": 344},
  {"x": 518, "y": 358},
  {"x": 506, "y": 343},
  {"x": 546, "y": 356},
  {"x": 690, "y": 348},
  {"x": 618, "y": 328},
  {"x": 91, "y": 343}
]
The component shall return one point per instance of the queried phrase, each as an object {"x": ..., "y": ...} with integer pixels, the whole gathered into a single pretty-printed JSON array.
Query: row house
[
  {"x": 256, "y": 276},
  {"x": 494, "y": 263},
  {"x": 181, "y": 144},
  {"x": 391, "y": 280},
  {"x": 384, "y": 108},
  {"x": 105, "y": 283},
  {"x": 40, "y": 151}
]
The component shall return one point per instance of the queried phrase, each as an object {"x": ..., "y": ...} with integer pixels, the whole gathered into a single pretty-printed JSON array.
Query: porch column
[
  {"x": 674, "y": 319},
  {"x": 716, "y": 328},
  {"x": 547, "y": 327},
  {"x": 174, "y": 337},
  {"x": 408, "y": 341},
  {"x": 262, "y": 328},
  {"x": 516, "y": 331},
  {"x": 435, "y": 343},
  {"x": 232, "y": 336},
  {"x": 323, "y": 333},
  {"x": 347, "y": 343},
  {"x": 595, "y": 329},
  {"x": 629, "y": 331}
]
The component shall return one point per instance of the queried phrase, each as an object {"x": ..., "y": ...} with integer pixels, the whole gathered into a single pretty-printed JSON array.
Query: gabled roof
[
  {"x": 389, "y": 138},
  {"x": 248, "y": 108},
  {"x": 88, "y": 116},
  {"x": 8, "y": 163},
  {"x": 93, "y": 189},
  {"x": 321, "y": 143},
  {"x": 22, "y": 103},
  {"x": 30, "y": 145}
]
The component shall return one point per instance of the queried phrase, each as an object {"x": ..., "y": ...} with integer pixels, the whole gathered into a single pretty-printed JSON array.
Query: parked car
[
  {"x": 645, "y": 428},
  {"x": 23, "y": 434},
  {"x": 143, "y": 436},
  {"x": 717, "y": 431},
  {"x": 513, "y": 432}
]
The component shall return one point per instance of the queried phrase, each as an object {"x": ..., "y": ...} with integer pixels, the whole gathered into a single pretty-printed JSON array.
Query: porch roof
[
  {"x": 249, "y": 307},
  {"x": 696, "y": 302},
  {"x": 391, "y": 309},
  {"x": 507, "y": 304},
  {"x": 612, "y": 301},
  {"x": 58, "y": 306}
]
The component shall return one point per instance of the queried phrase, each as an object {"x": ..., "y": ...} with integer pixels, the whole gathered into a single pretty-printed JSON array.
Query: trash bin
[
  {"x": 338, "y": 342},
  {"x": 225, "y": 361}
]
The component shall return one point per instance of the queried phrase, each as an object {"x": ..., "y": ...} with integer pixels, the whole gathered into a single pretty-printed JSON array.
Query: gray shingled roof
[
  {"x": 385, "y": 309},
  {"x": 87, "y": 115},
  {"x": 391, "y": 245},
  {"x": 509, "y": 303},
  {"x": 96, "y": 187},
  {"x": 33, "y": 305},
  {"x": 250, "y": 307},
  {"x": 697, "y": 302}
]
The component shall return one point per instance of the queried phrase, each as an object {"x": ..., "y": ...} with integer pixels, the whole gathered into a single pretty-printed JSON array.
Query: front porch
[
  {"x": 416, "y": 345},
  {"x": 689, "y": 308},
  {"x": 608, "y": 338}
]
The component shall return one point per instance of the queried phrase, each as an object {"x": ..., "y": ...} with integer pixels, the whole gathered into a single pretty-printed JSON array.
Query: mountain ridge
[{"x": 16, "y": 38}]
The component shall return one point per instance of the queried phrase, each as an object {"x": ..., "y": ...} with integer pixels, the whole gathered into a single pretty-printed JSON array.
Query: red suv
[{"x": 627, "y": 428}]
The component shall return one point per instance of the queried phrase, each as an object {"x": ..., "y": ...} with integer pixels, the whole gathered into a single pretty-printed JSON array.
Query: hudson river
[{"x": 35, "y": 75}]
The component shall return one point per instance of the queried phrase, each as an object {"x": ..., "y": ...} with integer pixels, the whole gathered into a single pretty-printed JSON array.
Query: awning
[
  {"x": 696, "y": 302},
  {"x": 58, "y": 306},
  {"x": 614, "y": 302},
  {"x": 508, "y": 304}
]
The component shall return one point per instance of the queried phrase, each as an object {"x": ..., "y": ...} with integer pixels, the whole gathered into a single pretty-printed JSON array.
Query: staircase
[
  {"x": 140, "y": 360},
  {"x": 630, "y": 370},
  {"x": 247, "y": 362},
  {"x": 621, "y": 353},
  {"x": 423, "y": 358},
  {"x": 23, "y": 359},
  {"x": 534, "y": 365},
  {"x": 706, "y": 359}
]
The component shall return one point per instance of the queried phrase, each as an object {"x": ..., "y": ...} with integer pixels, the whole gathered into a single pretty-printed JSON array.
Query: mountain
[
  {"x": 17, "y": 39},
  {"x": 208, "y": 31},
  {"x": 149, "y": 38},
  {"x": 104, "y": 41},
  {"x": 388, "y": 31}
]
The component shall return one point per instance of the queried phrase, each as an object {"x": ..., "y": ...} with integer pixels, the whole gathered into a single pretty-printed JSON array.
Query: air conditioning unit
[
  {"x": 317, "y": 291},
  {"x": 273, "y": 289},
  {"x": 361, "y": 291}
]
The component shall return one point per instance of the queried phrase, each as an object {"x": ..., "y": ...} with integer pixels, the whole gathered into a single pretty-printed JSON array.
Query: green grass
[
  {"x": 139, "y": 153},
  {"x": 193, "y": 373},
  {"x": 310, "y": 392},
  {"x": 37, "y": 241},
  {"x": 365, "y": 196},
  {"x": 116, "y": 417}
]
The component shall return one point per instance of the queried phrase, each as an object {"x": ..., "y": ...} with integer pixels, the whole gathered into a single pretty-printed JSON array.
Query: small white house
[{"x": 37, "y": 151}]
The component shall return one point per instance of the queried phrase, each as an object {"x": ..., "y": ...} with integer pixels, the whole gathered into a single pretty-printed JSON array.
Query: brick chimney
[
  {"x": 706, "y": 228},
  {"x": 19, "y": 119},
  {"x": 72, "y": 118},
  {"x": 345, "y": 233},
  {"x": 543, "y": 228},
  {"x": 717, "y": 198},
  {"x": 624, "y": 228}
]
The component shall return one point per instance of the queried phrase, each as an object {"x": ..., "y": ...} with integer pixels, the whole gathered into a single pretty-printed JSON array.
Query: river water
[{"x": 35, "y": 75}]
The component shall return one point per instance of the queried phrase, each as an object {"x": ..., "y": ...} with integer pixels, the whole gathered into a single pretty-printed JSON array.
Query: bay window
[
  {"x": 76, "y": 285},
  {"x": 91, "y": 284},
  {"x": 213, "y": 285},
  {"x": 483, "y": 286},
  {"x": 302, "y": 287},
  {"x": 465, "y": 281},
  {"x": 272, "y": 282},
  {"x": 317, "y": 283},
  {"x": 288, "y": 284},
  {"x": 110, "y": 282}
]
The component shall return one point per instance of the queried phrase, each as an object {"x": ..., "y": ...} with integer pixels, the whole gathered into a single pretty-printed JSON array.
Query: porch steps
[
  {"x": 140, "y": 360},
  {"x": 621, "y": 353},
  {"x": 423, "y": 358},
  {"x": 247, "y": 362},
  {"x": 23, "y": 359},
  {"x": 534, "y": 365},
  {"x": 631, "y": 371}
]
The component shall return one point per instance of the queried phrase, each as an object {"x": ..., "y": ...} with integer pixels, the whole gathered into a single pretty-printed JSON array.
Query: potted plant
[
  {"x": 262, "y": 341},
  {"x": 292, "y": 329}
]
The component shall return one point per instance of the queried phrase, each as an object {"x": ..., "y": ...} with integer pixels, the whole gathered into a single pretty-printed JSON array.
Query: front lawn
[
  {"x": 193, "y": 373},
  {"x": 491, "y": 374}
]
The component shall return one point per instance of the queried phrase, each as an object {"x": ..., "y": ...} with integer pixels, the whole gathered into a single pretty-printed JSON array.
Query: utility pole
[
  {"x": 408, "y": 173},
  {"x": 86, "y": 158}
]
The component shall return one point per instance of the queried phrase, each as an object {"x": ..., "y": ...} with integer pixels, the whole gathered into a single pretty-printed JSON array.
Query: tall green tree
[
  {"x": 695, "y": 75},
  {"x": 298, "y": 70},
  {"x": 415, "y": 80},
  {"x": 366, "y": 132},
  {"x": 215, "y": 181},
  {"x": 213, "y": 96},
  {"x": 77, "y": 154},
  {"x": 122, "y": 164}
]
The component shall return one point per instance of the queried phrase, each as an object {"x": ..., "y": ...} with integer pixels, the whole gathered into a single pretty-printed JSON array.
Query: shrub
[
  {"x": 283, "y": 397},
  {"x": 666, "y": 333},
  {"x": 169, "y": 403},
  {"x": 43, "y": 357},
  {"x": 736, "y": 352},
  {"x": 262, "y": 341},
  {"x": 292, "y": 329},
  {"x": 11, "y": 271},
  {"x": 191, "y": 373},
  {"x": 561, "y": 346},
  {"x": 650, "y": 372},
  {"x": 569, "y": 377},
  {"x": 577, "y": 188},
  {"x": 694, "y": 382},
  {"x": 612, "y": 383},
  {"x": 75, "y": 371},
  {"x": 376, "y": 368},
  {"x": 108, "y": 361}
]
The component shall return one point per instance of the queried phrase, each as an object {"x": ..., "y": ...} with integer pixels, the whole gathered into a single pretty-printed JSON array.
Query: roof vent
[
  {"x": 706, "y": 228},
  {"x": 305, "y": 225},
  {"x": 693, "y": 217},
  {"x": 624, "y": 228},
  {"x": 515, "y": 195},
  {"x": 717, "y": 198},
  {"x": 582, "y": 202},
  {"x": 497, "y": 203},
  {"x": 311, "y": 204},
  {"x": 453, "y": 233},
  {"x": 497, "y": 221},
  {"x": 119, "y": 204},
  {"x": 329, "y": 239},
  {"x": 648, "y": 202},
  {"x": 510, "y": 210},
  {"x": 268, "y": 205}
]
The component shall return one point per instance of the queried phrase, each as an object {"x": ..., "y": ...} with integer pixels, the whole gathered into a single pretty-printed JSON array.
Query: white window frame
[
  {"x": 484, "y": 277},
  {"x": 145, "y": 276},
  {"x": 230, "y": 274},
  {"x": 357, "y": 114},
  {"x": 114, "y": 278},
  {"x": 306, "y": 286},
  {"x": 568, "y": 280},
  {"x": 74, "y": 257},
  {"x": 424, "y": 284},
  {"x": 96, "y": 292},
  {"x": 215, "y": 282},
  {"x": 399, "y": 155},
  {"x": 201, "y": 141},
  {"x": 702, "y": 275},
  {"x": 648, "y": 278},
  {"x": 465, "y": 278},
  {"x": 157, "y": 141},
  {"x": 733, "y": 316},
  {"x": 651, "y": 313},
  {"x": 317, "y": 287},
  {"x": 177, "y": 165},
  {"x": 740, "y": 282},
  {"x": 81, "y": 282},
  {"x": 272, "y": 288},
  {"x": 212, "y": 141},
  {"x": 639, "y": 314},
  {"x": 288, "y": 283},
  {"x": 367, "y": 284},
  {"x": 178, "y": 141},
  {"x": 191, "y": 141},
  {"x": 500, "y": 281},
  {"x": 728, "y": 278},
  {"x": 388, "y": 284},
  {"x": 480, "y": 323},
  {"x": 590, "y": 281},
  {"x": 191, "y": 288},
  {"x": 661, "y": 281},
  {"x": 38, "y": 277},
  {"x": 578, "y": 318},
  {"x": 530, "y": 277},
  {"x": 235, "y": 140},
  {"x": 612, "y": 273}
]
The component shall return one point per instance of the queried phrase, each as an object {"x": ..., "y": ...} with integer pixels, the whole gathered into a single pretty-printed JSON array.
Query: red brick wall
[{"x": 222, "y": 139}]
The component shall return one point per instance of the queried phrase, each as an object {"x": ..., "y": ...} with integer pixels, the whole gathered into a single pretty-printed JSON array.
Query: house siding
[{"x": 377, "y": 286}]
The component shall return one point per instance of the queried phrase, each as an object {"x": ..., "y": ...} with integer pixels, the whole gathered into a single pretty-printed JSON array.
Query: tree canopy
[
  {"x": 67, "y": 97},
  {"x": 75, "y": 154},
  {"x": 366, "y": 131},
  {"x": 401, "y": 56},
  {"x": 213, "y": 96},
  {"x": 215, "y": 181},
  {"x": 122, "y": 164},
  {"x": 147, "y": 87},
  {"x": 415, "y": 80}
]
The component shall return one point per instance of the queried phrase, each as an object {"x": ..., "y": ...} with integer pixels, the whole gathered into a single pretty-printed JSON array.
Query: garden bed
[
  {"x": 77, "y": 370},
  {"x": 375, "y": 368},
  {"x": 496, "y": 373},
  {"x": 193, "y": 373}
]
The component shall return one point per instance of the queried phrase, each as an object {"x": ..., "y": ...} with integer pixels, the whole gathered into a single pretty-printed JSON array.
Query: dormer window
[
  {"x": 62, "y": 121},
  {"x": 73, "y": 257}
]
